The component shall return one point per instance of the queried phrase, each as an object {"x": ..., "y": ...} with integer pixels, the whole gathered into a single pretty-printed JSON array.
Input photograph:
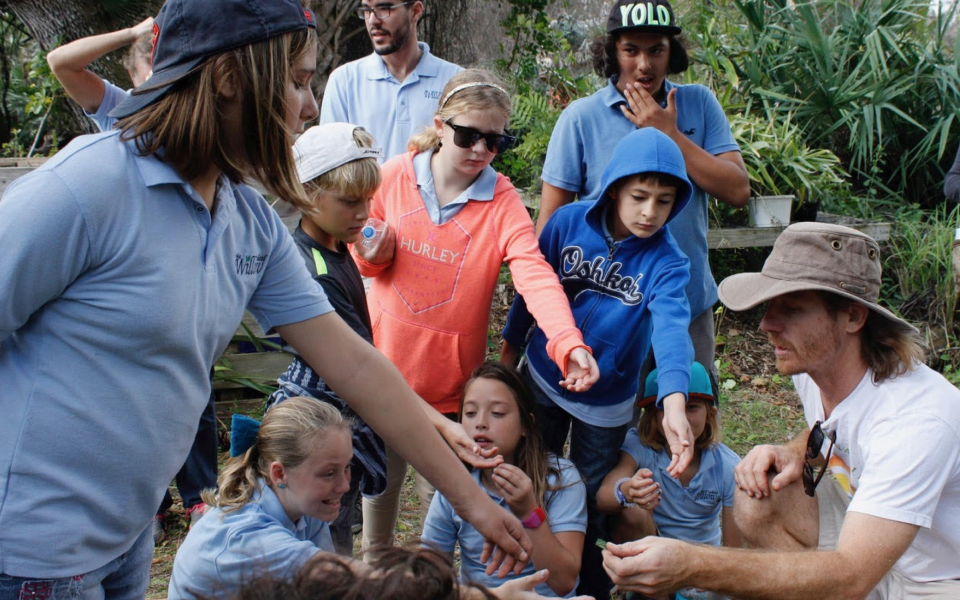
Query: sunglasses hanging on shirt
[
  {"x": 467, "y": 137},
  {"x": 814, "y": 444}
]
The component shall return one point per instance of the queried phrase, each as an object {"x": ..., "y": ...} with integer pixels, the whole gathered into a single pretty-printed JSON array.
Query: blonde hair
[
  {"x": 480, "y": 97},
  {"x": 186, "y": 121},
  {"x": 139, "y": 51},
  {"x": 287, "y": 435},
  {"x": 355, "y": 179},
  {"x": 650, "y": 434}
]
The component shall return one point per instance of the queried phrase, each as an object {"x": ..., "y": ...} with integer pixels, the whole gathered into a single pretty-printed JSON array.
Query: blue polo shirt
[
  {"x": 225, "y": 550},
  {"x": 365, "y": 93},
  {"x": 566, "y": 510},
  {"x": 690, "y": 513},
  {"x": 583, "y": 141},
  {"x": 480, "y": 190},
  {"x": 118, "y": 292},
  {"x": 112, "y": 96}
]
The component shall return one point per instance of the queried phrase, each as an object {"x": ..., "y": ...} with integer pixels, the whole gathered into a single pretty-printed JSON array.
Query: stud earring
[
  {"x": 282, "y": 486},
  {"x": 440, "y": 144}
]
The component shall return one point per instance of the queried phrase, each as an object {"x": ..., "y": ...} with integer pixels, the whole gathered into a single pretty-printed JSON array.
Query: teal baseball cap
[{"x": 700, "y": 386}]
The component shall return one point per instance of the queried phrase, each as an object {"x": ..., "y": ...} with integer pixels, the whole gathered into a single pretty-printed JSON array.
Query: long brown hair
[
  {"x": 287, "y": 435},
  {"x": 531, "y": 455},
  {"x": 186, "y": 123},
  {"x": 650, "y": 434}
]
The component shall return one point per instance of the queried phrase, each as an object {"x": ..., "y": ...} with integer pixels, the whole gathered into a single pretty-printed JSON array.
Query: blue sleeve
[
  {"x": 718, "y": 138},
  {"x": 112, "y": 96},
  {"x": 519, "y": 319},
  {"x": 47, "y": 245},
  {"x": 333, "y": 108},
  {"x": 563, "y": 165},
  {"x": 567, "y": 507},
  {"x": 286, "y": 292},
  {"x": 439, "y": 529},
  {"x": 635, "y": 448},
  {"x": 729, "y": 461},
  {"x": 670, "y": 313},
  {"x": 268, "y": 547}
]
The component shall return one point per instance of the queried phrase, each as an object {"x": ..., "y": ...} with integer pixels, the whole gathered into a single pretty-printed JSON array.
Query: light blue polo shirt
[
  {"x": 118, "y": 292},
  {"x": 690, "y": 513},
  {"x": 583, "y": 141},
  {"x": 365, "y": 93},
  {"x": 225, "y": 550},
  {"x": 480, "y": 190},
  {"x": 566, "y": 510}
]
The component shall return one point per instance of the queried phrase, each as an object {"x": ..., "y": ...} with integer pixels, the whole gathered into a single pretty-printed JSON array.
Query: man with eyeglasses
[
  {"x": 393, "y": 92},
  {"x": 887, "y": 524}
]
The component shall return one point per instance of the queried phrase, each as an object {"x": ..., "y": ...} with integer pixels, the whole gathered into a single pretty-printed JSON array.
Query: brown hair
[
  {"x": 393, "y": 574},
  {"x": 472, "y": 98},
  {"x": 287, "y": 435},
  {"x": 890, "y": 348},
  {"x": 605, "y": 63},
  {"x": 186, "y": 121},
  {"x": 355, "y": 179},
  {"x": 531, "y": 455},
  {"x": 651, "y": 435}
]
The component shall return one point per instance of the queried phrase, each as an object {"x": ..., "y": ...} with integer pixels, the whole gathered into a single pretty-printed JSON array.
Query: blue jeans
[
  {"x": 123, "y": 578},
  {"x": 594, "y": 451}
]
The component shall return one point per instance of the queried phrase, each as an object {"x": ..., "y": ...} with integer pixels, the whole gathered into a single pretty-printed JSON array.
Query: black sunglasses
[
  {"x": 467, "y": 137},
  {"x": 382, "y": 11},
  {"x": 814, "y": 445}
]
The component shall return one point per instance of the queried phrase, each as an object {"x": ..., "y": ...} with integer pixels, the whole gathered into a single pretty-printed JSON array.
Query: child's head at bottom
[
  {"x": 337, "y": 165},
  {"x": 298, "y": 439},
  {"x": 701, "y": 411},
  {"x": 646, "y": 183}
]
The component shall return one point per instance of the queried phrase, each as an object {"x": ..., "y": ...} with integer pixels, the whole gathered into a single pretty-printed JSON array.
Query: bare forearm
[
  {"x": 724, "y": 176},
  {"x": 78, "y": 54},
  {"x": 550, "y": 553}
]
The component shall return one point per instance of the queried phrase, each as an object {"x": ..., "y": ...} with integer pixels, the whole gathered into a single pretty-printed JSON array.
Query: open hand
[
  {"x": 466, "y": 449},
  {"x": 676, "y": 428},
  {"x": 506, "y": 544},
  {"x": 522, "y": 588},
  {"x": 582, "y": 371}
]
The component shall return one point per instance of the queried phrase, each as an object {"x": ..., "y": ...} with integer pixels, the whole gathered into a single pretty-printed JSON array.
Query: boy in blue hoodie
[{"x": 624, "y": 275}]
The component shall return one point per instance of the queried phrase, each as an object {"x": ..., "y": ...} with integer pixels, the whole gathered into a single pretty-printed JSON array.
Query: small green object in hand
[{"x": 602, "y": 544}]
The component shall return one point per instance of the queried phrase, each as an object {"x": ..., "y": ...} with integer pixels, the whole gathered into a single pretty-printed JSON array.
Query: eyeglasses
[
  {"x": 814, "y": 445},
  {"x": 382, "y": 11},
  {"x": 467, "y": 137}
]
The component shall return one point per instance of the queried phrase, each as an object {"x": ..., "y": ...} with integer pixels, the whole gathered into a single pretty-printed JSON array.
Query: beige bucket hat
[{"x": 813, "y": 256}]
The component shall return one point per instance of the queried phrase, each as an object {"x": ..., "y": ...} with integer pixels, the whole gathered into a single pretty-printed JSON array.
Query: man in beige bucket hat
[{"x": 885, "y": 425}]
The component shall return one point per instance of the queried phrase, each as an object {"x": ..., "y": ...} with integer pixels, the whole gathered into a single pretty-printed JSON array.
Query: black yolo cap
[
  {"x": 187, "y": 32},
  {"x": 652, "y": 17}
]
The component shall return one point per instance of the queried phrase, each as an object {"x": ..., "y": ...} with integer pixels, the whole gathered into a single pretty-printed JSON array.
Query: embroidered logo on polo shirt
[
  {"x": 431, "y": 94},
  {"x": 708, "y": 495},
  {"x": 249, "y": 264},
  {"x": 579, "y": 275}
]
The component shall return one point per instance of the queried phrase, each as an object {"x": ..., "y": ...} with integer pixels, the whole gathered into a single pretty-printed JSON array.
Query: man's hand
[
  {"x": 144, "y": 26},
  {"x": 644, "y": 111},
  {"x": 642, "y": 490},
  {"x": 676, "y": 428},
  {"x": 465, "y": 448},
  {"x": 383, "y": 251},
  {"x": 517, "y": 489},
  {"x": 582, "y": 371},
  {"x": 751, "y": 473},
  {"x": 522, "y": 588},
  {"x": 652, "y": 566}
]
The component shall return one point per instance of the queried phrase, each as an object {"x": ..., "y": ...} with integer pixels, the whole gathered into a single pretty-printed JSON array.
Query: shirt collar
[
  {"x": 481, "y": 189},
  {"x": 374, "y": 67},
  {"x": 270, "y": 505}
]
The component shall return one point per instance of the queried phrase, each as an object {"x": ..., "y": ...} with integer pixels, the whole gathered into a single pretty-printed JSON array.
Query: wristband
[
  {"x": 621, "y": 499},
  {"x": 536, "y": 518}
]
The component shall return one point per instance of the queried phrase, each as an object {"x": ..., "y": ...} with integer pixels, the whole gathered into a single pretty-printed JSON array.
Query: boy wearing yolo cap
[
  {"x": 337, "y": 165},
  {"x": 624, "y": 276},
  {"x": 640, "y": 49}
]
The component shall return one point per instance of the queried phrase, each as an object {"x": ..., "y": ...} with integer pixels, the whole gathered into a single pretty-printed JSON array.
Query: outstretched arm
[{"x": 69, "y": 62}]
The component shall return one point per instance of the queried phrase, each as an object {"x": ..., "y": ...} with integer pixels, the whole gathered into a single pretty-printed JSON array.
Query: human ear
[
  {"x": 856, "y": 317},
  {"x": 277, "y": 473},
  {"x": 438, "y": 123}
]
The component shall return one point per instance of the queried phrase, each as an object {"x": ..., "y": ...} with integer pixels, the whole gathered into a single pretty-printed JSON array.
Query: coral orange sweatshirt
[{"x": 430, "y": 305}]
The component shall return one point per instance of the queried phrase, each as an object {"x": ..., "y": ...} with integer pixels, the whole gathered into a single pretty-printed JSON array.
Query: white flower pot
[{"x": 770, "y": 211}]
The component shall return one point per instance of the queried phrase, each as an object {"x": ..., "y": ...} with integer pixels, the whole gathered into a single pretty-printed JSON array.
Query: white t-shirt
[{"x": 898, "y": 456}]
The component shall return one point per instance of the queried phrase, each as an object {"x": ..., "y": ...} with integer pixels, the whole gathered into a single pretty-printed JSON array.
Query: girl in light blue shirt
[{"x": 277, "y": 497}]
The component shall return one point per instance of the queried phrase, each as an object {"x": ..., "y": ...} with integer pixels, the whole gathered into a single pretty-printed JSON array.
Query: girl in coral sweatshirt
[{"x": 452, "y": 221}]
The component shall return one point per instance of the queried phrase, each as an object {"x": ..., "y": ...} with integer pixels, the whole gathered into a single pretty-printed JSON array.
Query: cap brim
[
  {"x": 743, "y": 291},
  {"x": 153, "y": 88},
  {"x": 665, "y": 30}
]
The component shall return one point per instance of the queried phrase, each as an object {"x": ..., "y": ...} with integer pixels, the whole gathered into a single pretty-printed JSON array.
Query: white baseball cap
[{"x": 325, "y": 147}]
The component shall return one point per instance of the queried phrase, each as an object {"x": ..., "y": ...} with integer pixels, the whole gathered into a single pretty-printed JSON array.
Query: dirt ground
[{"x": 756, "y": 406}]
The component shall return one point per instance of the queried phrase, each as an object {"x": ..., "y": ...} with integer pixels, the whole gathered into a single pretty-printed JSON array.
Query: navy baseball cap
[
  {"x": 652, "y": 17},
  {"x": 187, "y": 32}
]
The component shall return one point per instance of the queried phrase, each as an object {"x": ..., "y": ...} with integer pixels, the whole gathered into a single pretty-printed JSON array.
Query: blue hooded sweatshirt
[{"x": 624, "y": 295}]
